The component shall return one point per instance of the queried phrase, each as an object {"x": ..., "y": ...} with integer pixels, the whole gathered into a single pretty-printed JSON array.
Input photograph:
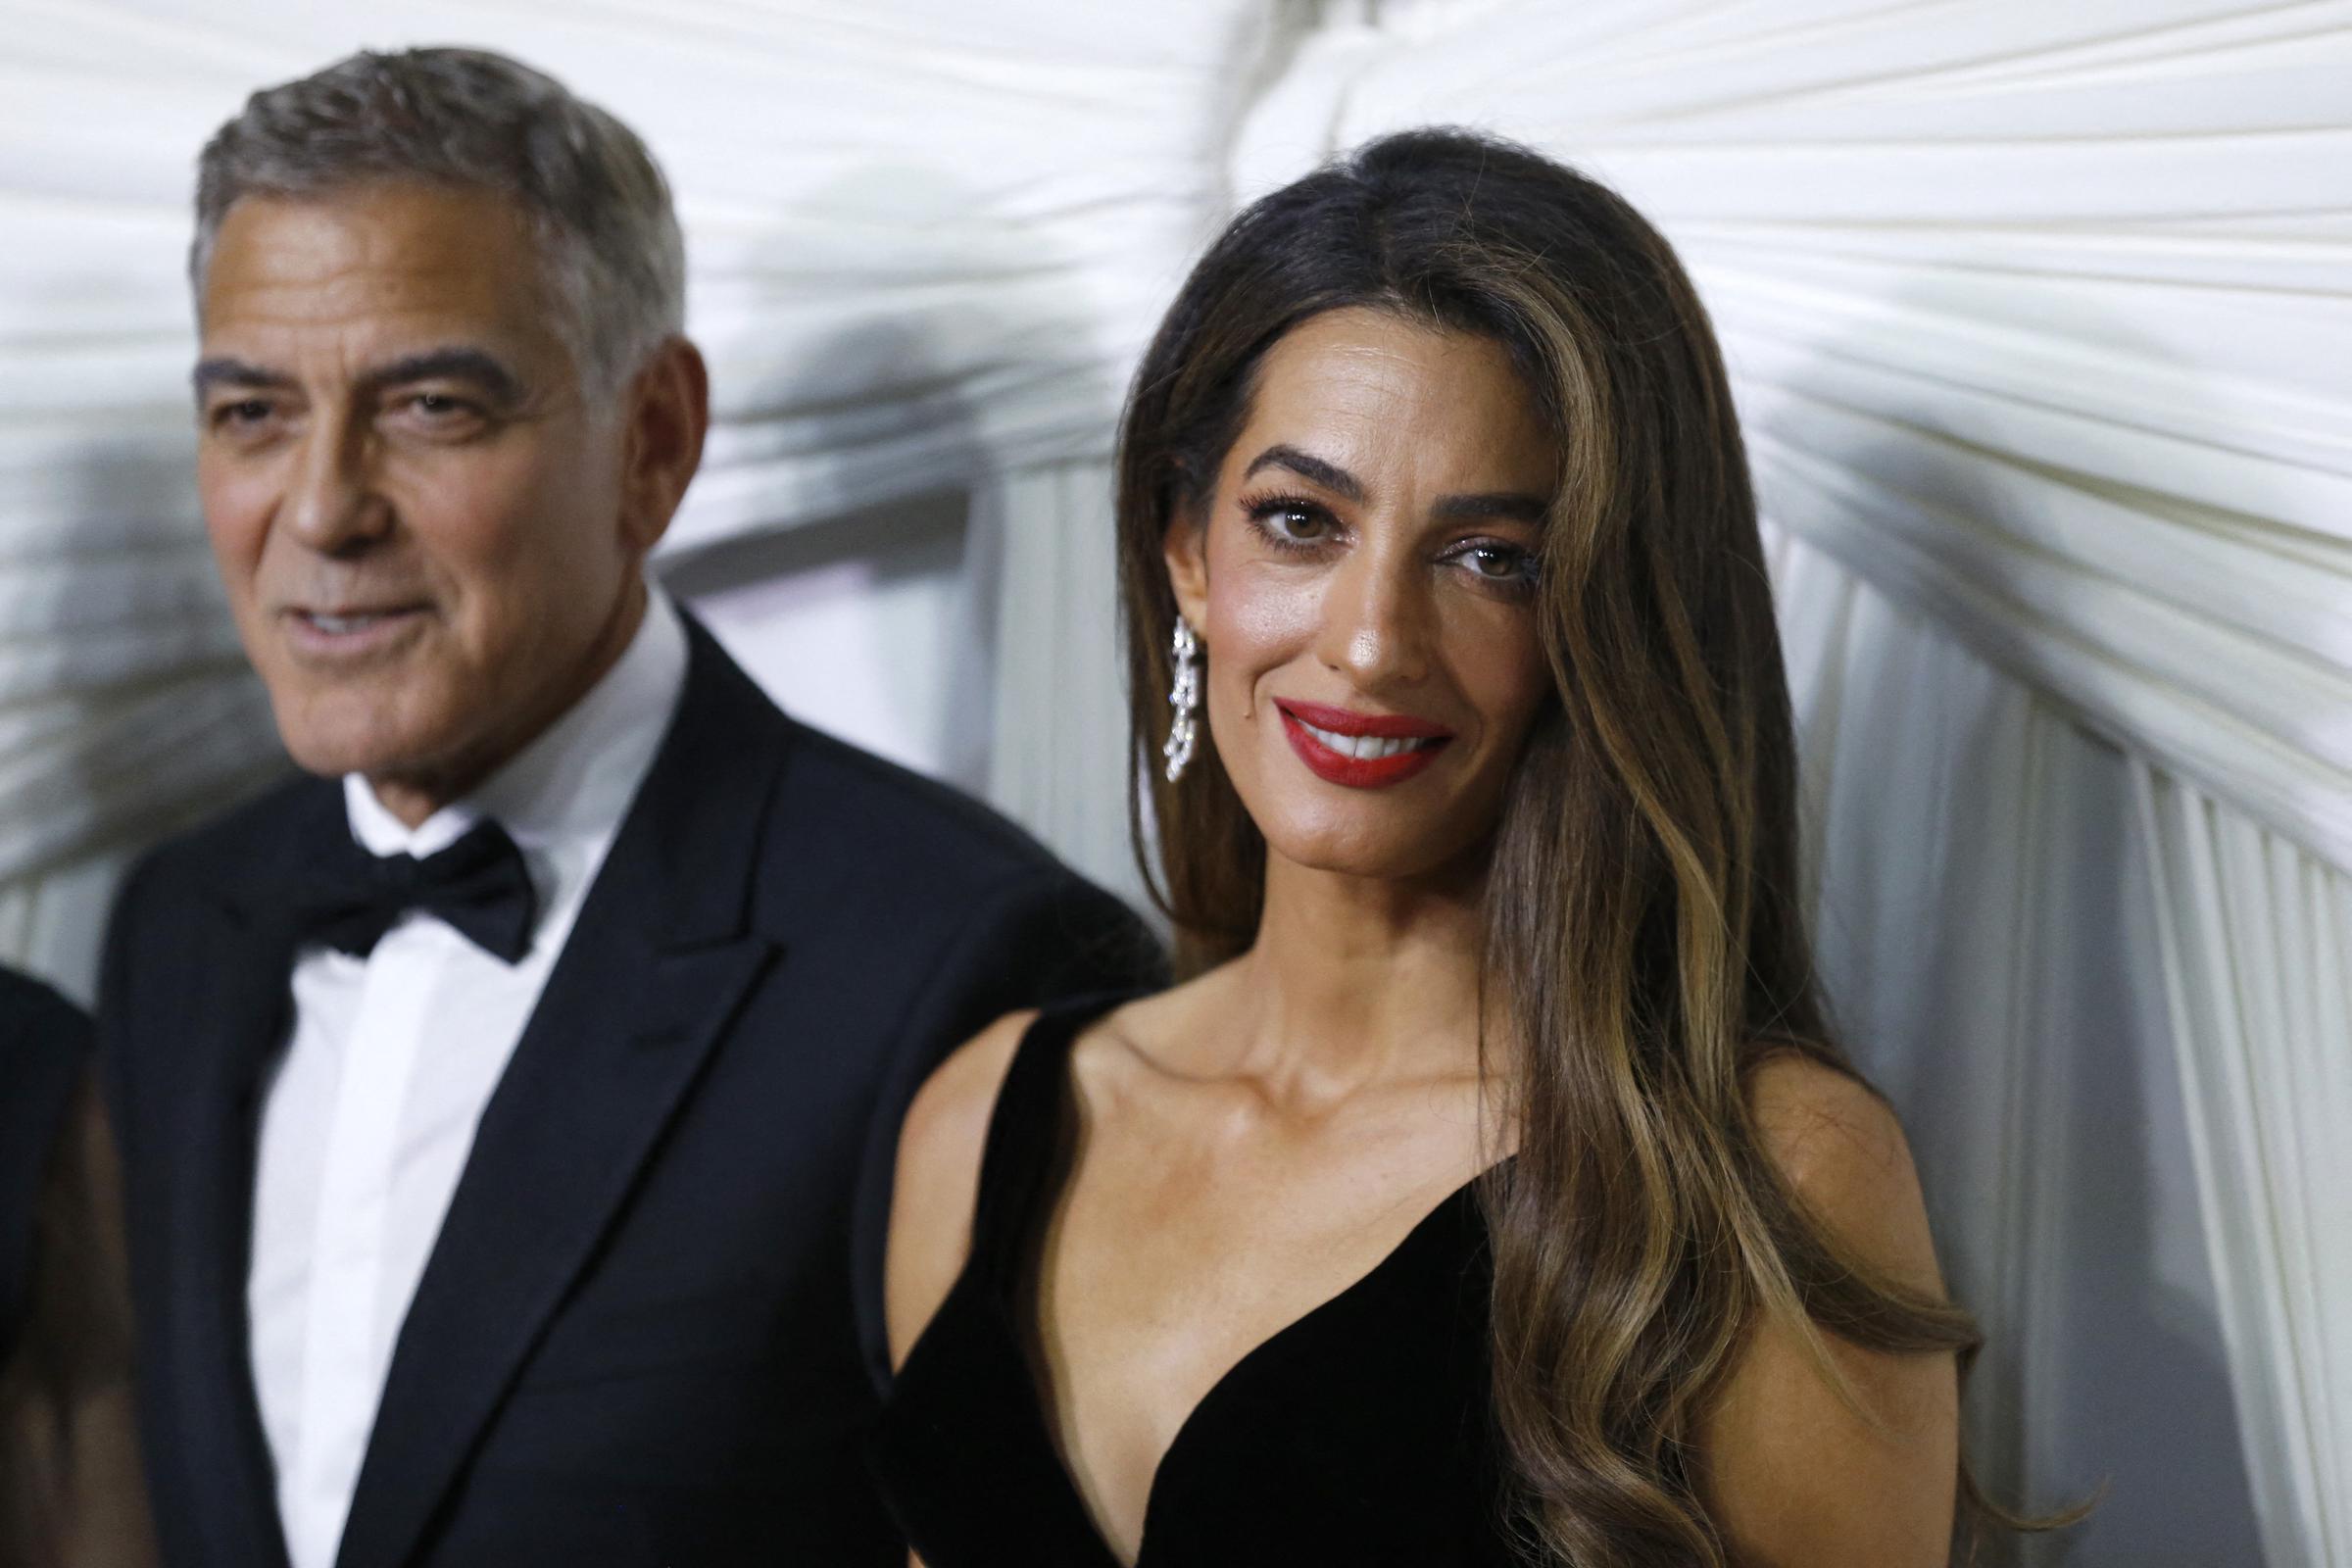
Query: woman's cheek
[
  {"x": 1265, "y": 623},
  {"x": 1492, "y": 648}
]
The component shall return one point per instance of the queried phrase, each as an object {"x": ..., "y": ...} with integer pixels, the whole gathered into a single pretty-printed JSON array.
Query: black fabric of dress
[
  {"x": 44, "y": 1044},
  {"x": 1360, "y": 1434}
]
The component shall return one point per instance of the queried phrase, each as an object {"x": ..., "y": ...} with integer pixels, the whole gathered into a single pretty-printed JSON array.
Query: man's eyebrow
[
  {"x": 225, "y": 372},
  {"x": 455, "y": 363},
  {"x": 1505, "y": 507},
  {"x": 1330, "y": 475}
]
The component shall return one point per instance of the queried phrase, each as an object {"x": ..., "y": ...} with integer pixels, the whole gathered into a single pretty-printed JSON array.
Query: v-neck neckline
[
  {"x": 1019, "y": 1296},
  {"x": 1050, "y": 1427},
  {"x": 1000, "y": 1273}
]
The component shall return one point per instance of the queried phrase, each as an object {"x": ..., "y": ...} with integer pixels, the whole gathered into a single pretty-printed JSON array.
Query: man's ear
[
  {"x": 1184, "y": 548},
  {"x": 666, "y": 414}
]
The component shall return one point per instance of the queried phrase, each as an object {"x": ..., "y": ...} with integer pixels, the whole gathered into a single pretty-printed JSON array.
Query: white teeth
[{"x": 1366, "y": 746}]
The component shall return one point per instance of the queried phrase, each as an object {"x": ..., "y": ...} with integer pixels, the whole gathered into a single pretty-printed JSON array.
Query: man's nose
[
  {"x": 332, "y": 503},
  {"x": 1377, "y": 620}
]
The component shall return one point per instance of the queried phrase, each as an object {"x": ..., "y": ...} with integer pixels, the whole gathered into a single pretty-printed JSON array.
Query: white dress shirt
[{"x": 370, "y": 1115}]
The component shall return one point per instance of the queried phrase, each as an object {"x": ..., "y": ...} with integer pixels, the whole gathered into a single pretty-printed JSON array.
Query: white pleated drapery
[
  {"x": 2258, "y": 950},
  {"x": 2037, "y": 315}
]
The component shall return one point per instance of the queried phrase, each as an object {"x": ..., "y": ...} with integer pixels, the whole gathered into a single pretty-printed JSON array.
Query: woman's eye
[
  {"x": 1499, "y": 563},
  {"x": 1293, "y": 522}
]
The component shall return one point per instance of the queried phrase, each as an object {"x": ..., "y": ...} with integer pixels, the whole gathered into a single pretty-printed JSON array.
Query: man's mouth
[
  {"x": 350, "y": 629},
  {"x": 348, "y": 622}
]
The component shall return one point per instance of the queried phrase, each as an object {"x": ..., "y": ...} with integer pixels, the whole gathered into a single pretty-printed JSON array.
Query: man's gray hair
[{"x": 469, "y": 118}]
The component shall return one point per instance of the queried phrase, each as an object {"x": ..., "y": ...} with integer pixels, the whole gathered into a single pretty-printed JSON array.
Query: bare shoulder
[
  {"x": 1842, "y": 1152},
  {"x": 1798, "y": 1470},
  {"x": 937, "y": 1178}
]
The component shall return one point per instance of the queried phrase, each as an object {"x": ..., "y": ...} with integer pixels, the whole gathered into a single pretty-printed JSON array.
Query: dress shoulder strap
[{"x": 1026, "y": 1155}]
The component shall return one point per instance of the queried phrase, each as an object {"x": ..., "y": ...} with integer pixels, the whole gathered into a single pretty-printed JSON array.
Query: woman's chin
[{"x": 1370, "y": 853}]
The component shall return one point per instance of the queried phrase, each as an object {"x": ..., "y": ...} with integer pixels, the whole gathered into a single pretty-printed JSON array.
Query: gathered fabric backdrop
[{"x": 2037, "y": 315}]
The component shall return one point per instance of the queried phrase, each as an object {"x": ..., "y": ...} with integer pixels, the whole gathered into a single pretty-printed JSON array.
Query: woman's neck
[{"x": 1354, "y": 980}]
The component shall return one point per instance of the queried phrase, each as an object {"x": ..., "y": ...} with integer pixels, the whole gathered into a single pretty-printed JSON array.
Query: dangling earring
[{"x": 1184, "y": 696}]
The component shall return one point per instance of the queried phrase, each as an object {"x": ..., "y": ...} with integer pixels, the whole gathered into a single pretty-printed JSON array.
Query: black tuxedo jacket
[
  {"x": 44, "y": 1044},
  {"x": 637, "y": 1340}
]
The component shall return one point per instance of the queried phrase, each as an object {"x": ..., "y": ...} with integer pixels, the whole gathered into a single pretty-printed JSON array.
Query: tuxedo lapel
[
  {"x": 234, "y": 1007},
  {"x": 659, "y": 961}
]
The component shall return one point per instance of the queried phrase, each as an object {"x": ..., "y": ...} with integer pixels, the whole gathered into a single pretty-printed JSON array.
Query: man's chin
[{"x": 334, "y": 735}]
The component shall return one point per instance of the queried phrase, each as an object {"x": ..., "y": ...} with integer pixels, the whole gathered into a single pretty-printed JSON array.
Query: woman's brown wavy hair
[{"x": 1645, "y": 940}]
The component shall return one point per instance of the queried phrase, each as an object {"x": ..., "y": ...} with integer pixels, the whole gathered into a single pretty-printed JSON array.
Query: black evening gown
[
  {"x": 44, "y": 1042},
  {"x": 1360, "y": 1434}
]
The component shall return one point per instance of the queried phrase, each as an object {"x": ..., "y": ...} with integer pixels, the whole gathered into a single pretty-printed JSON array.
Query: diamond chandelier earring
[{"x": 1184, "y": 696}]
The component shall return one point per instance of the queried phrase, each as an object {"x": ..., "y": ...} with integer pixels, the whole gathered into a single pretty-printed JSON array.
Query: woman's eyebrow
[
  {"x": 1508, "y": 506},
  {"x": 1504, "y": 506},
  {"x": 1330, "y": 475}
]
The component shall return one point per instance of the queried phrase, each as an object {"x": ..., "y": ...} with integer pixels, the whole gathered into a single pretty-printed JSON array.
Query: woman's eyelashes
[
  {"x": 1289, "y": 522},
  {"x": 1496, "y": 561},
  {"x": 1298, "y": 525}
]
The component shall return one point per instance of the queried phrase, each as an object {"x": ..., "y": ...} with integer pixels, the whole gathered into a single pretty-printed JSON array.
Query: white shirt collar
[{"x": 570, "y": 788}]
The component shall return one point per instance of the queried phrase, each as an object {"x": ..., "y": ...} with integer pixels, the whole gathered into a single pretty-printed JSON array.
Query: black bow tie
[{"x": 479, "y": 885}]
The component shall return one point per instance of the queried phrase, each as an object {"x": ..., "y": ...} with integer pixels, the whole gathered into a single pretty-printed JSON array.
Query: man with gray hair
[{"x": 506, "y": 1109}]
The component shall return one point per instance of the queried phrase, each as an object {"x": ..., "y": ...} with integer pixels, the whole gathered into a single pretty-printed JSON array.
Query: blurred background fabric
[{"x": 2039, "y": 317}]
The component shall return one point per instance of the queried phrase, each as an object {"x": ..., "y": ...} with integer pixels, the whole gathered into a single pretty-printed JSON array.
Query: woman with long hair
[{"x": 1490, "y": 1189}]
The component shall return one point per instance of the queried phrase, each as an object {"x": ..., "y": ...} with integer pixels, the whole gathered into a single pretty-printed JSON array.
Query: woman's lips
[
  {"x": 1347, "y": 722},
  {"x": 1361, "y": 750}
]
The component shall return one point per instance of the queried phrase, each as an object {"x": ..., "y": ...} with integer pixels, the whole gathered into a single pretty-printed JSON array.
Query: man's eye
[
  {"x": 439, "y": 415},
  {"x": 242, "y": 412}
]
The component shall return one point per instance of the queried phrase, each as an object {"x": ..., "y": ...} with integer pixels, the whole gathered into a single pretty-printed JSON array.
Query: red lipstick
[{"x": 1421, "y": 742}]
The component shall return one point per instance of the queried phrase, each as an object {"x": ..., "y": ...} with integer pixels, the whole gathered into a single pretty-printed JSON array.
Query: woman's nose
[{"x": 1376, "y": 621}]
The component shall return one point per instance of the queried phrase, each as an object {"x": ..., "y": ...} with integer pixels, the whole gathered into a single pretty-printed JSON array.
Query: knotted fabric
[{"x": 478, "y": 885}]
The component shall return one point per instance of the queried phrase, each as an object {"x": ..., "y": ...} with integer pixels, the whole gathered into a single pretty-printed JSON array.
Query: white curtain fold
[
  {"x": 2258, "y": 960},
  {"x": 1060, "y": 758},
  {"x": 1985, "y": 928}
]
